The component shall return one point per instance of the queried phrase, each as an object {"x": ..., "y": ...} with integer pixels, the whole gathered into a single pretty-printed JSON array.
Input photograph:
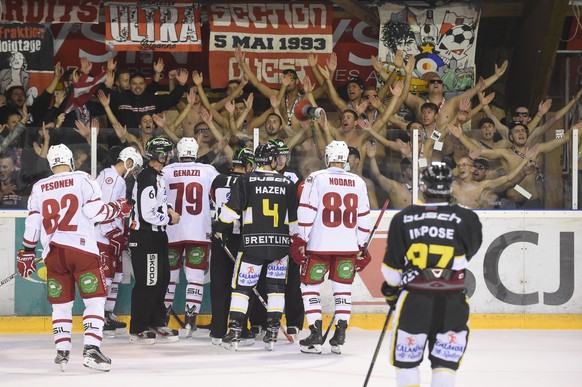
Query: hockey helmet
[
  {"x": 130, "y": 153},
  {"x": 187, "y": 148},
  {"x": 336, "y": 152},
  {"x": 437, "y": 179},
  {"x": 158, "y": 146},
  {"x": 60, "y": 155},
  {"x": 281, "y": 146},
  {"x": 266, "y": 153},
  {"x": 243, "y": 156}
]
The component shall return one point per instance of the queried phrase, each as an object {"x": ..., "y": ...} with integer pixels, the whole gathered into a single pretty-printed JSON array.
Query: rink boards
[{"x": 526, "y": 275}]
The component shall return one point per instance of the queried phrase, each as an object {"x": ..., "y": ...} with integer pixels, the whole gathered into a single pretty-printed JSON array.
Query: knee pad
[
  {"x": 98, "y": 302},
  {"x": 194, "y": 275},
  {"x": 63, "y": 307},
  {"x": 409, "y": 377}
]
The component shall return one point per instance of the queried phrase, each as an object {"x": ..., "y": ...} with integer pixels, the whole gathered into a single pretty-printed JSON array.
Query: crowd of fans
[{"x": 500, "y": 165}]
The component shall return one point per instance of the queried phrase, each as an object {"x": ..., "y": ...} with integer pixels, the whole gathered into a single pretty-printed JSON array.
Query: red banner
[
  {"x": 50, "y": 11},
  {"x": 153, "y": 26},
  {"x": 274, "y": 36}
]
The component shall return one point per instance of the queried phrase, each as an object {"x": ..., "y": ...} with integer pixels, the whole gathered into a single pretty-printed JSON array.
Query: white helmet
[
  {"x": 130, "y": 153},
  {"x": 60, "y": 155},
  {"x": 187, "y": 147},
  {"x": 336, "y": 152}
]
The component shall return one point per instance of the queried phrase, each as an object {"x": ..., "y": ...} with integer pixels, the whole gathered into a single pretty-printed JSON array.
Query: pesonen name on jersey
[
  {"x": 271, "y": 190},
  {"x": 56, "y": 184},
  {"x": 342, "y": 182},
  {"x": 186, "y": 172}
]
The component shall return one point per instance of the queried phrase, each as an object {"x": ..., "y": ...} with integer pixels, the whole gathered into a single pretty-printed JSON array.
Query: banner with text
[
  {"x": 442, "y": 40},
  {"x": 274, "y": 36},
  {"x": 50, "y": 11},
  {"x": 26, "y": 58},
  {"x": 153, "y": 26}
]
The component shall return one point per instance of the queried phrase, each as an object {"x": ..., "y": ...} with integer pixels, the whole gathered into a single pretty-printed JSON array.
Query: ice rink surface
[{"x": 512, "y": 358}]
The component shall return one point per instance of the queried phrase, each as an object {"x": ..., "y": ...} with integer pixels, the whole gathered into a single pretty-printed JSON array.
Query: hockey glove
[
  {"x": 116, "y": 238},
  {"x": 363, "y": 260},
  {"x": 222, "y": 231},
  {"x": 26, "y": 262},
  {"x": 121, "y": 207},
  {"x": 390, "y": 293},
  {"x": 298, "y": 256}
]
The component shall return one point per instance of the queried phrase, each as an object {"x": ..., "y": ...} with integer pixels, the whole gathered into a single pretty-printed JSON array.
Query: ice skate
[
  {"x": 247, "y": 338},
  {"x": 257, "y": 330},
  {"x": 62, "y": 359},
  {"x": 165, "y": 334},
  {"x": 93, "y": 358},
  {"x": 231, "y": 340},
  {"x": 271, "y": 333},
  {"x": 113, "y": 327},
  {"x": 143, "y": 338},
  {"x": 293, "y": 331},
  {"x": 339, "y": 337},
  {"x": 313, "y": 342},
  {"x": 190, "y": 321}
]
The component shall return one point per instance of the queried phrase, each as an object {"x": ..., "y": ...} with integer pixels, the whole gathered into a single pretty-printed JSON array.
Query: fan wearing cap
[
  {"x": 148, "y": 243},
  {"x": 429, "y": 248}
]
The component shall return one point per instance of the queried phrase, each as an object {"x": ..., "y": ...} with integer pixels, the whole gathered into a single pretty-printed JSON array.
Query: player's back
[
  {"x": 188, "y": 188},
  {"x": 337, "y": 197},
  {"x": 67, "y": 202},
  {"x": 221, "y": 187}
]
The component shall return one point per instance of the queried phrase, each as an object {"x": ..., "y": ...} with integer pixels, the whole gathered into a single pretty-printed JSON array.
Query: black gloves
[{"x": 390, "y": 293}]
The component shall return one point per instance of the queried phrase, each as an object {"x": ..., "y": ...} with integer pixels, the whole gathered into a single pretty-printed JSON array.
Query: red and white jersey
[
  {"x": 334, "y": 212},
  {"x": 112, "y": 188},
  {"x": 63, "y": 209},
  {"x": 188, "y": 188}
]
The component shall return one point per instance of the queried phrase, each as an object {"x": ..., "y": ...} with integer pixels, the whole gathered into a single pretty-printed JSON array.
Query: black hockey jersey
[
  {"x": 220, "y": 194},
  {"x": 267, "y": 202},
  {"x": 150, "y": 211},
  {"x": 430, "y": 236}
]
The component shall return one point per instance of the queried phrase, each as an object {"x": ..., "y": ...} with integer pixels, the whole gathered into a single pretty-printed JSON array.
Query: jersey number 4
[
  {"x": 332, "y": 214},
  {"x": 51, "y": 217},
  {"x": 192, "y": 193}
]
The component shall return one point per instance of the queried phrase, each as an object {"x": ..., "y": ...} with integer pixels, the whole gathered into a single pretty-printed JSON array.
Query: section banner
[
  {"x": 274, "y": 36},
  {"x": 153, "y": 26}
]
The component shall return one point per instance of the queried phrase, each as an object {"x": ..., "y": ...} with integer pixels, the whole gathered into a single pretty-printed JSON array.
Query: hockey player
[
  {"x": 188, "y": 186},
  {"x": 267, "y": 204},
  {"x": 111, "y": 236},
  {"x": 221, "y": 266},
  {"x": 294, "y": 310},
  {"x": 149, "y": 247},
  {"x": 62, "y": 211},
  {"x": 429, "y": 247},
  {"x": 334, "y": 223}
]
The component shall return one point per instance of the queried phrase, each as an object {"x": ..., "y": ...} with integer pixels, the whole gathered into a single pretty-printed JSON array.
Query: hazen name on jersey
[
  {"x": 271, "y": 190},
  {"x": 56, "y": 184}
]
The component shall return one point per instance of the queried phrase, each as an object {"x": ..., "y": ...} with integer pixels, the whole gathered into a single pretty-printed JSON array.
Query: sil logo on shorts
[{"x": 152, "y": 269}]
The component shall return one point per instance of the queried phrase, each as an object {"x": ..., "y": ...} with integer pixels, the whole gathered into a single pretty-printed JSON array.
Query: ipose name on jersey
[{"x": 432, "y": 231}]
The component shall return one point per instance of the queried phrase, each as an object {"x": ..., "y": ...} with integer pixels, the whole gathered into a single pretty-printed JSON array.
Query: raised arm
[
  {"x": 197, "y": 78},
  {"x": 239, "y": 55},
  {"x": 334, "y": 97}
]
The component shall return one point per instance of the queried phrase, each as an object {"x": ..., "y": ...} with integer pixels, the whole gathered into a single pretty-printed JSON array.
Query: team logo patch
[
  {"x": 152, "y": 274},
  {"x": 450, "y": 346},
  {"x": 55, "y": 289},
  {"x": 109, "y": 180},
  {"x": 196, "y": 255},
  {"x": 409, "y": 347},
  {"x": 173, "y": 257},
  {"x": 88, "y": 282},
  {"x": 317, "y": 272},
  {"x": 345, "y": 270}
]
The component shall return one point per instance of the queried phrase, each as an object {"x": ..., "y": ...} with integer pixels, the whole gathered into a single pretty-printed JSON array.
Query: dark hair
[
  {"x": 405, "y": 163},
  {"x": 392, "y": 33},
  {"x": 517, "y": 123},
  {"x": 237, "y": 81},
  {"x": 353, "y": 151},
  {"x": 239, "y": 100},
  {"x": 430, "y": 105},
  {"x": 290, "y": 71},
  {"x": 278, "y": 116},
  {"x": 355, "y": 114},
  {"x": 137, "y": 74},
  {"x": 486, "y": 120},
  {"x": 11, "y": 89}
]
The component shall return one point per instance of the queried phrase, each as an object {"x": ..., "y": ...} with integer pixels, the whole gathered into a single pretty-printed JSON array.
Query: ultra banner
[
  {"x": 153, "y": 26},
  {"x": 442, "y": 40},
  {"x": 274, "y": 37}
]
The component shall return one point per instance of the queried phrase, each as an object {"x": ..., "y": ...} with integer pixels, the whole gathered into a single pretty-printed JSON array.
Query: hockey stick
[
  {"x": 173, "y": 313},
  {"x": 261, "y": 299},
  {"x": 366, "y": 244},
  {"x": 378, "y": 346},
  {"x": 13, "y": 275}
]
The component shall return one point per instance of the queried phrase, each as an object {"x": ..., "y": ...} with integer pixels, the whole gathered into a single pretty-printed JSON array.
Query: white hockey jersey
[
  {"x": 188, "y": 188},
  {"x": 334, "y": 212},
  {"x": 112, "y": 188},
  {"x": 63, "y": 209}
]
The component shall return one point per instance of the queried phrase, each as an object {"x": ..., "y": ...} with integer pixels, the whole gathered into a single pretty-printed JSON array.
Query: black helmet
[
  {"x": 281, "y": 146},
  {"x": 243, "y": 156},
  {"x": 266, "y": 153},
  {"x": 158, "y": 146},
  {"x": 437, "y": 178}
]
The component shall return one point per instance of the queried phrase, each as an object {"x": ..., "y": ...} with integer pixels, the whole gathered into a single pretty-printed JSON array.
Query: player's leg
[
  {"x": 221, "y": 268},
  {"x": 341, "y": 275},
  {"x": 275, "y": 279},
  {"x": 245, "y": 276},
  {"x": 294, "y": 309},
  {"x": 175, "y": 251},
  {"x": 195, "y": 264},
  {"x": 448, "y": 345},
  {"x": 113, "y": 271},
  {"x": 311, "y": 280},
  {"x": 258, "y": 313}
]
